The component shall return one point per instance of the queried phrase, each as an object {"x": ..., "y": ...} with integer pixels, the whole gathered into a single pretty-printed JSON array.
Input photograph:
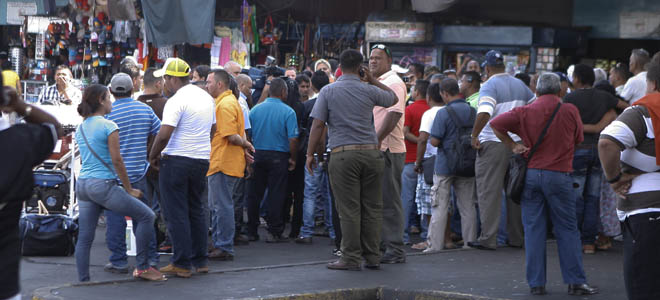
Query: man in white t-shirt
[
  {"x": 425, "y": 151},
  {"x": 182, "y": 150},
  {"x": 635, "y": 88}
]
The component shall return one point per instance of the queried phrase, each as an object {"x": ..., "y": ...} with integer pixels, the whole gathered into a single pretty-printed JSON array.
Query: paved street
[{"x": 262, "y": 270}]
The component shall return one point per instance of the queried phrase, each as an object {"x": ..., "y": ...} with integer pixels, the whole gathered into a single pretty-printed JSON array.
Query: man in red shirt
[
  {"x": 413, "y": 118},
  {"x": 548, "y": 184}
]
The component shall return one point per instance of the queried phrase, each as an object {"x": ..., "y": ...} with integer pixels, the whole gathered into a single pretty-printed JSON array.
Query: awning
[{"x": 172, "y": 22}]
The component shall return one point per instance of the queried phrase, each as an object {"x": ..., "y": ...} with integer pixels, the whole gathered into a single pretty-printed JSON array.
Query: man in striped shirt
[{"x": 138, "y": 125}]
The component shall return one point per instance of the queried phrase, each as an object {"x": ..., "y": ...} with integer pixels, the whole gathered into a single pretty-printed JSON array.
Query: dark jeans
[
  {"x": 549, "y": 191},
  {"x": 181, "y": 185},
  {"x": 239, "y": 197},
  {"x": 115, "y": 235},
  {"x": 295, "y": 186},
  {"x": 10, "y": 249},
  {"x": 269, "y": 171},
  {"x": 640, "y": 255},
  {"x": 586, "y": 182}
]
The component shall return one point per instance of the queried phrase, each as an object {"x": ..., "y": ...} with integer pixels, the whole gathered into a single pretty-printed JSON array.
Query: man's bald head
[
  {"x": 233, "y": 68},
  {"x": 244, "y": 83}
]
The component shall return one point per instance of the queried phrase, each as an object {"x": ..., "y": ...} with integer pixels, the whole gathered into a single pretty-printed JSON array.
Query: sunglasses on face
[{"x": 382, "y": 47}]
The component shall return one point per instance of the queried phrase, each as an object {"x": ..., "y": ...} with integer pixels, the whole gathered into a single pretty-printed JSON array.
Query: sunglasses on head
[{"x": 382, "y": 47}]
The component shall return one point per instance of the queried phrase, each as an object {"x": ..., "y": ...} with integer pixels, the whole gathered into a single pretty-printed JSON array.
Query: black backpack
[{"x": 462, "y": 157}]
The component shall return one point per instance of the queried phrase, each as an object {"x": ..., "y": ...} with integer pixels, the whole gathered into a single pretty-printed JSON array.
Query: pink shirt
[{"x": 394, "y": 141}]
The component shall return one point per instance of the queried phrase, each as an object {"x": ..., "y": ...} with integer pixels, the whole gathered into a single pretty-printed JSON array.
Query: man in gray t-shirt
[
  {"x": 356, "y": 165},
  {"x": 499, "y": 94}
]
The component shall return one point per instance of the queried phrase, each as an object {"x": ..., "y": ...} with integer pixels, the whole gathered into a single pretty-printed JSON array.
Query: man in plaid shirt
[{"x": 63, "y": 91}]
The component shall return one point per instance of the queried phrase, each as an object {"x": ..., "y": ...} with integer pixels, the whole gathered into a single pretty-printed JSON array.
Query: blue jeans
[
  {"x": 221, "y": 188},
  {"x": 408, "y": 188},
  {"x": 549, "y": 191},
  {"x": 587, "y": 174},
  {"x": 316, "y": 188},
  {"x": 181, "y": 184},
  {"x": 94, "y": 195},
  {"x": 115, "y": 235},
  {"x": 270, "y": 171}
]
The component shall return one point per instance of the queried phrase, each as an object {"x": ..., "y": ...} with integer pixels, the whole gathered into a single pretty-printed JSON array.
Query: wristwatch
[{"x": 615, "y": 179}]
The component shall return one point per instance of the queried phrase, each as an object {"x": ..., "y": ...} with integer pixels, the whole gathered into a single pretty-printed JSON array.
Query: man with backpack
[{"x": 454, "y": 166}]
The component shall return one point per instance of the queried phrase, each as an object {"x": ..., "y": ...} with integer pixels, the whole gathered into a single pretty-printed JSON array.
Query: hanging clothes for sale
[
  {"x": 171, "y": 22},
  {"x": 121, "y": 10}
]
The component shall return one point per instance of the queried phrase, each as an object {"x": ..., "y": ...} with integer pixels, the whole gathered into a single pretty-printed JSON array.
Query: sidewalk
[{"x": 261, "y": 270}]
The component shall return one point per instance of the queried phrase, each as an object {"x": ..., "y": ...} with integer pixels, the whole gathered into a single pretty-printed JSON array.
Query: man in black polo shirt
[
  {"x": 31, "y": 144},
  {"x": 594, "y": 105}
]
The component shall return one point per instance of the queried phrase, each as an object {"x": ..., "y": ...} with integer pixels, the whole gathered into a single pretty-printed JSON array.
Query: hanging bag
[{"x": 515, "y": 177}]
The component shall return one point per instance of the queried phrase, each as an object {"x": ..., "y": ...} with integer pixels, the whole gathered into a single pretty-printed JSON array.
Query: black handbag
[
  {"x": 515, "y": 176},
  {"x": 47, "y": 235},
  {"x": 428, "y": 166}
]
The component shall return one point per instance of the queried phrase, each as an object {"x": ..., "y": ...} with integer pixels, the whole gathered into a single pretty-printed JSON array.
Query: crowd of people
[{"x": 374, "y": 157}]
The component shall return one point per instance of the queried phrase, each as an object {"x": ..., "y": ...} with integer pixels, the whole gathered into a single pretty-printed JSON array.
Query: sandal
[
  {"x": 420, "y": 246},
  {"x": 150, "y": 274}
]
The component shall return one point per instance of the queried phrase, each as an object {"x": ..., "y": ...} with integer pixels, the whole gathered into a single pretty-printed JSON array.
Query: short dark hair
[
  {"x": 333, "y": 64},
  {"x": 319, "y": 80},
  {"x": 350, "y": 60},
  {"x": 91, "y": 99},
  {"x": 120, "y": 95},
  {"x": 653, "y": 74},
  {"x": 149, "y": 78},
  {"x": 300, "y": 78},
  {"x": 421, "y": 86},
  {"x": 276, "y": 86},
  {"x": 233, "y": 87},
  {"x": 622, "y": 70},
  {"x": 223, "y": 76},
  {"x": 433, "y": 93},
  {"x": 524, "y": 77},
  {"x": 203, "y": 71},
  {"x": 656, "y": 58},
  {"x": 131, "y": 69},
  {"x": 419, "y": 68},
  {"x": 585, "y": 74},
  {"x": 474, "y": 78},
  {"x": 6, "y": 65},
  {"x": 449, "y": 86}
]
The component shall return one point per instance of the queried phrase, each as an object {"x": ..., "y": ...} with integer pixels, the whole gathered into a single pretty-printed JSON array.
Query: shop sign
[
  {"x": 40, "y": 47},
  {"x": 16, "y": 11}
]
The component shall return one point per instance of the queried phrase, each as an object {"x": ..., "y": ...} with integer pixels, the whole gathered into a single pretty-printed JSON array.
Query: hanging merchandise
[
  {"x": 239, "y": 50},
  {"x": 246, "y": 24},
  {"x": 267, "y": 36},
  {"x": 122, "y": 10},
  {"x": 255, "y": 32}
]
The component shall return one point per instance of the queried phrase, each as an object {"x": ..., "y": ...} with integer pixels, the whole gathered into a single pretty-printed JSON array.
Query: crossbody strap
[
  {"x": 542, "y": 135},
  {"x": 82, "y": 132}
]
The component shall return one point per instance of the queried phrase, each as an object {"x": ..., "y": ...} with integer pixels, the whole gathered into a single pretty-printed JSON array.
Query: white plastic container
[{"x": 131, "y": 249}]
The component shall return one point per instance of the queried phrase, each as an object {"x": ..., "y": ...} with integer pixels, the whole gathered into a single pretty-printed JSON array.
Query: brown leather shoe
[
  {"x": 340, "y": 265},
  {"x": 220, "y": 255},
  {"x": 202, "y": 270},
  {"x": 588, "y": 249},
  {"x": 241, "y": 239},
  {"x": 174, "y": 270}
]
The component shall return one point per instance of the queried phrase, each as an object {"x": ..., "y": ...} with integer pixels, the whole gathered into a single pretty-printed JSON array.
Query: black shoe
[
  {"x": 478, "y": 245},
  {"x": 539, "y": 290},
  {"x": 336, "y": 252},
  {"x": 253, "y": 238},
  {"x": 304, "y": 240},
  {"x": 340, "y": 265},
  {"x": 581, "y": 289},
  {"x": 271, "y": 238},
  {"x": 109, "y": 267},
  {"x": 372, "y": 266},
  {"x": 391, "y": 259},
  {"x": 241, "y": 239}
]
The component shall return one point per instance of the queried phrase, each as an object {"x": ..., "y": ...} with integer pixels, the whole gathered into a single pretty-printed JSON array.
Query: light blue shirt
[
  {"x": 97, "y": 129},
  {"x": 136, "y": 122},
  {"x": 273, "y": 124}
]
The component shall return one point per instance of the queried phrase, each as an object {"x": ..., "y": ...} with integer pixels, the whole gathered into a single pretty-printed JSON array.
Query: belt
[{"x": 354, "y": 148}]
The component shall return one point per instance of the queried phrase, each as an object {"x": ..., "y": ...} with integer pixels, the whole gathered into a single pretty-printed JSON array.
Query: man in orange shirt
[
  {"x": 389, "y": 128},
  {"x": 229, "y": 149}
]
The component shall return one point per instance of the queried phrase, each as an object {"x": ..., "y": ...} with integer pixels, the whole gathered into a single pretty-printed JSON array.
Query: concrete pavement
[{"x": 264, "y": 270}]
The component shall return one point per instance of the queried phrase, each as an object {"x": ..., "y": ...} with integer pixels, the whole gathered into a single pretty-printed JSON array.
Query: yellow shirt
[
  {"x": 10, "y": 78},
  {"x": 225, "y": 156}
]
